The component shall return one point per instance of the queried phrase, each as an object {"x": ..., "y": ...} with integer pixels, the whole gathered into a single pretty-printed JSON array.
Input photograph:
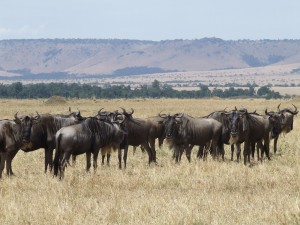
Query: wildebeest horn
[
  {"x": 268, "y": 113},
  {"x": 38, "y": 116},
  {"x": 235, "y": 108},
  {"x": 124, "y": 111},
  {"x": 69, "y": 108},
  {"x": 17, "y": 118},
  {"x": 100, "y": 110},
  {"x": 162, "y": 115},
  {"x": 295, "y": 111},
  {"x": 278, "y": 107},
  {"x": 132, "y": 111},
  {"x": 225, "y": 109}
]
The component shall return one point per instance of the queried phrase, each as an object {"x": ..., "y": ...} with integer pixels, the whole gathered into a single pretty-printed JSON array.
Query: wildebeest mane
[{"x": 99, "y": 128}]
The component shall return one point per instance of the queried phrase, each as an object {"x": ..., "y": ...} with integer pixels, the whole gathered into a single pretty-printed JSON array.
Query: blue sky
[{"x": 150, "y": 20}]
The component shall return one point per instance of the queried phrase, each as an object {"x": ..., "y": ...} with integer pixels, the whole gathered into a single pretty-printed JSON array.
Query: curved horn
[
  {"x": 268, "y": 113},
  {"x": 295, "y": 111},
  {"x": 38, "y": 116},
  {"x": 254, "y": 112},
  {"x": 100, "y": 110},
  {"x": 290, "y": 111},
  {"x": 124, "y": 111},
  {"x": 132, "y": 111},
  {"x": 17, "y": 118},
  {"x": 278, "y": 107},
  {"x": 162, "y": 115},
  {"x": 235, "y": 108}
]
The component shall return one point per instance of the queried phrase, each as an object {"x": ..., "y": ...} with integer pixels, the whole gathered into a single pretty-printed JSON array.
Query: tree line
[{"x": 155, "y": 90}]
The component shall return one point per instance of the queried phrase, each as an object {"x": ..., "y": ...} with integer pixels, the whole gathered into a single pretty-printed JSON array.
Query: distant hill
[{"x": 50, "y": 58}]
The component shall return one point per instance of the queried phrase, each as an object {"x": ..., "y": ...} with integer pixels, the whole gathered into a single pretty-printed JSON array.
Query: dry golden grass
[{"x": 211, "y": 192}]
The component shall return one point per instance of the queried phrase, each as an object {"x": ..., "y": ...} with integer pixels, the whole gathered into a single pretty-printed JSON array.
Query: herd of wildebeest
[{"x": 73, "y": 134}]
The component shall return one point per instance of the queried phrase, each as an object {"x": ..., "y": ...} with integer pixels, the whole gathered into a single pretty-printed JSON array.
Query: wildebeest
[
  {"x": 143, "y": 132},
  {"x": 87, "y": 137},
  {"x": 287, "y": 121},
  {"x": 183, "y": 130},
  {"x": 221, "y": 117},
  {"x": 42, "y": 134},
  {"x": 10, "y": 142},
  {"x": 11, "y": 136},
  {"x": 251, "y": 129}
]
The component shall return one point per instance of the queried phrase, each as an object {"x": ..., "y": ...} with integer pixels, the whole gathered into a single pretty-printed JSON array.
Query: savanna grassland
[{"x": 210, "y": 192}]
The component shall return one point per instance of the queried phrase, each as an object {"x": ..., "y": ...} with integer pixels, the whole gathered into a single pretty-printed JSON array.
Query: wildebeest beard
[
  {"x": 27, "y": 146},
  {"x": 233, "y": 139}
]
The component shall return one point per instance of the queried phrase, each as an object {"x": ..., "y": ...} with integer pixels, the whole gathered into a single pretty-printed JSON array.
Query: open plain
[{"x": 210, "y": 192}]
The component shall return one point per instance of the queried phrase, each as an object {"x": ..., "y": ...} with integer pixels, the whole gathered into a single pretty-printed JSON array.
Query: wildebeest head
[
  {"x": 235, "y": 120},
  {"x": 26, "y": 123},
  {"x": 128, "y": 114},
  {"x": 172, "y": 124},
  {"x": 76, "y": 115},
  {"x": 288, "y": 118},
  {"x": 275, "y": 120}
]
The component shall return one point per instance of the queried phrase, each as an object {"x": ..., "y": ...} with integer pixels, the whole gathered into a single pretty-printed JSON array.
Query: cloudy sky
[{"x": 150, "y": 19}]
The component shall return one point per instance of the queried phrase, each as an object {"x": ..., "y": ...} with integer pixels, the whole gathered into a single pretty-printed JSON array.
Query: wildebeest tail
[{"x": 57, "y": 155}]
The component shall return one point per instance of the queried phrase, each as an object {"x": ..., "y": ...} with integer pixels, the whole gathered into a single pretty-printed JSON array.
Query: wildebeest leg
[
  {"x": 63, "y": 162},
  {"x": 152, "y": 146},
  {"x": 246, "y": 151},
  {"x": 275, "y": 144},
  {"x": 2, "y": 162},
  {"x": 148, "y": 149},
  {"x": 200, "y": 151},
  {"x": 252, "y": 149},
  {"x": 261, "y": 147},
  {"x": 125, "y": 158},
  {"x": 238, "y": 152},
  {"x": 188, "y": 150},
  {"x": 95, "y": 157},
  {"x": 134, "y": 149},
  {"x": 48, "y": 158},
  {"x": 73, "y": 160},
  {"x": 232, "y": 151},
  {"x": 177, "y": 152},
  {"x": 88, "y": 160},
  {"x": 267, "y": 148},
  {"x": 10, "y": 156},
  {"x": 120, "y": 157},
  {"x": 103, "y": 159},
  {"x": 108, "y": 158}
]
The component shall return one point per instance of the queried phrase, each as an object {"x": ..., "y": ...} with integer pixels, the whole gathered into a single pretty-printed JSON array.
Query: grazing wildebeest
[
  {"x": 11, "y": 135},
  {"x": 42, "y": 134},
  {"x": 287, "y": 121},
  {"x": 87, "y": 137},
  {"x": 142, "y": 132},
  {"x": 251, "y": 128},
  {"x": 183, "y": 130}
]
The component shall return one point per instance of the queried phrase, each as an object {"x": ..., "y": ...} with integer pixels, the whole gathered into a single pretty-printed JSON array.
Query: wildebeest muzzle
[{"x": 26, "y": 134}]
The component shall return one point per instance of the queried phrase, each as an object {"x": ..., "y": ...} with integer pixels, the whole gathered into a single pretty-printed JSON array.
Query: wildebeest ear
[
  {"x": 36, "y": 119},
  {"x": 178, "y": 120}
]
